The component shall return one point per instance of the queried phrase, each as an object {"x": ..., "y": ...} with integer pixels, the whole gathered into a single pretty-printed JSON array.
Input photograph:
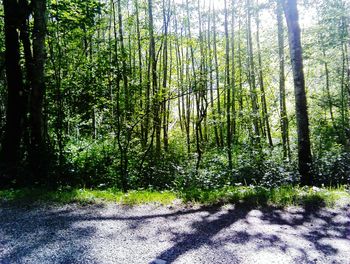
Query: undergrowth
[{"x": 250, "y": 195}]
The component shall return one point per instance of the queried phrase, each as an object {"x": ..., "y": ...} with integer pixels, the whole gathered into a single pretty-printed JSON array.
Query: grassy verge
[
  {"x": 87, "y": 196},
  {"x": 282, "y": 196}
]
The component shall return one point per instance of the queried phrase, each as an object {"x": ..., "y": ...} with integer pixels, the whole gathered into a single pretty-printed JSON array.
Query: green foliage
[
  {"x": 86, "y": 196},
  {"x": 92, "y": 163},
  {"x": 332, "y": 168},
  {"x": 260, "y": 196},
  {"x": 74, "y": 13},
  {"x": 249, "y": 196}
]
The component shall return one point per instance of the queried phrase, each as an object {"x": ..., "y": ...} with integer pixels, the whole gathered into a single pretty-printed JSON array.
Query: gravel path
[{"x": 149, "y": 234}]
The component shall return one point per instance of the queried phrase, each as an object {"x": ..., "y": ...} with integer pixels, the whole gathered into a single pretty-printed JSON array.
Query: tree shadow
[
  {"x": 321, "y": 224},
  {"x": 28, "y": 232}
]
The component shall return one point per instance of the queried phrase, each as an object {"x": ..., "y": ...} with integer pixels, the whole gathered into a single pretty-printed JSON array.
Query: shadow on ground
[{"x": 229, "y": 234}]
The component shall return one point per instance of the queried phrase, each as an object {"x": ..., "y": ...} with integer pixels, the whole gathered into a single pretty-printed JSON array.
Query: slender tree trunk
[
  {"x": 328, "y": 92},
  {"x": 153, "y": 62},
  {"x": 138, "y": 32},
  {"x": 58, "y": 96},
  {"x": 124, "y": 65},
  {"x": 221, "y": 136},
  {"x": 198, "y": 88},
  {"x": 228, "y": 88},
  {"x": 265, "y": 115},
  {"x": 165, "y": 73},
  {"x": 233, "y": 70},
  {"x": 211, "y": 80},
  {"x": 343, "y": 95},
  {"x": 179, "y": 71},
  {"x": 304, "y": 146},
  {"x": 240, "y": 77},
  {"x": 282, "y": 87},
  {"x": 251, "y": 75},
  {"x": 187, "y": 108}
]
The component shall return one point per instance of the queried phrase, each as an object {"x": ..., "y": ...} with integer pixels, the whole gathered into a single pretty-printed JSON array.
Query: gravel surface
[{"x": 153, "y": 234}]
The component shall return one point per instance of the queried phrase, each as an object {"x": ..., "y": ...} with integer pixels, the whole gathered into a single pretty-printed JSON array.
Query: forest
[{"x": 174, "y": 94}]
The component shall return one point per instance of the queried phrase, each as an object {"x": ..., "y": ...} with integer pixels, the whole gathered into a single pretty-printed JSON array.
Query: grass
[
  {"x": 282, "y": 196},
  {"x": 87, "y": 196},
  {"x": 257, "y": 196}
]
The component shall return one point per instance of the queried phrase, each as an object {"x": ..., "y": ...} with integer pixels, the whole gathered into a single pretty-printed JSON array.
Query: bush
[{"x": 332, "y": 169}]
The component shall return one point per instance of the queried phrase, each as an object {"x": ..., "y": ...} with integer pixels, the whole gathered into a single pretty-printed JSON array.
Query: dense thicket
[{"x": 174, "y": 93}]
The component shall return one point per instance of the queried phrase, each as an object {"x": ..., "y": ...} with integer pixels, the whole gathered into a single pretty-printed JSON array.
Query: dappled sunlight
[{"x": 229, "y": 234}]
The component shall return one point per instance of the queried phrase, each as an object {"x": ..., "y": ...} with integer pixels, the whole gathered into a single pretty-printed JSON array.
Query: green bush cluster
[{"x": 96, "y": 163}]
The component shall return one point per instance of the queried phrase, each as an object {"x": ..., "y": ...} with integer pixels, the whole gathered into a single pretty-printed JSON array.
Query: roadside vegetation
[{"x": 249, "y": 195}]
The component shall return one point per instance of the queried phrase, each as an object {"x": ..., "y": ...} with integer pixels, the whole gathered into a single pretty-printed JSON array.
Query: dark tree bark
[
  {"x": 304, "y": 146},
  {"x": 166, "y": 18},
  {"x": 140, "y": 64},
  {"x": 124, "y": 73},
  {"x": 9, "y": 155},
  {"x": 153, "y": 62},
  {"x": 38, "y": 155}
]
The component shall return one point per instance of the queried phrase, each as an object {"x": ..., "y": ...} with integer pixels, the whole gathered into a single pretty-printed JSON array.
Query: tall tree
[
  {"x": 233, "y": 69},
  {"x": 282, "y": 84},
  {"x": 265, "y": 116},
  {"x": 251, "y": 74},
  {"x": 166, "y": 18},
  {"x": 304, "y": 146},
  {"x": 228, "y": 89},
  {"x": 155, "y": 87},
  {"x": 9, "y": 155},
  {"x": 38, "y": 153},
  {"x": 211, "y": 80},
  {"x": 219, "y": 110}
]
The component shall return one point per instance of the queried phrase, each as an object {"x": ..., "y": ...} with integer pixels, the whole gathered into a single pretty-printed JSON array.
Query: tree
[
  {"x": 251, "y": 75},
  {"x": 38, "y": 155},
  {"x": 304, "y": 146},
  {"x": 282, "y": 85},
  {"x": 228, "y": 88},
  {"x": 15, "y": 16},
  {"x": 155, "y": 87},
  {"x": 22, "y": 90},
  {"x": 265, "y": 117}
]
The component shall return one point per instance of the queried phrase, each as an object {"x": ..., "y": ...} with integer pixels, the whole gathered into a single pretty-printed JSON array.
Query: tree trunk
[
  {"x": 9, "y": 155},
  {"x": 233, "y": 71},
  {"x": 251, "y": 76},
  {"x": 165, "y": 74},
  {"x": 153, "y": 62},
  {"x": 265, "y": 115},
  {"x": 304, "y": 146},
  {"x": 282, "y": 86},
  {"x": 221, "y": 140},
  {"x": 38, "y": 155},
  {"x": 228, "y": 88},
  {"x": 123, "y": 54},
  {"x": 211, "y": 80}
]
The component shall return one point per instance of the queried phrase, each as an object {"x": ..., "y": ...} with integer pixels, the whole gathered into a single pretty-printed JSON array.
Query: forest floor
[{"x": 111, "y": 233}]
